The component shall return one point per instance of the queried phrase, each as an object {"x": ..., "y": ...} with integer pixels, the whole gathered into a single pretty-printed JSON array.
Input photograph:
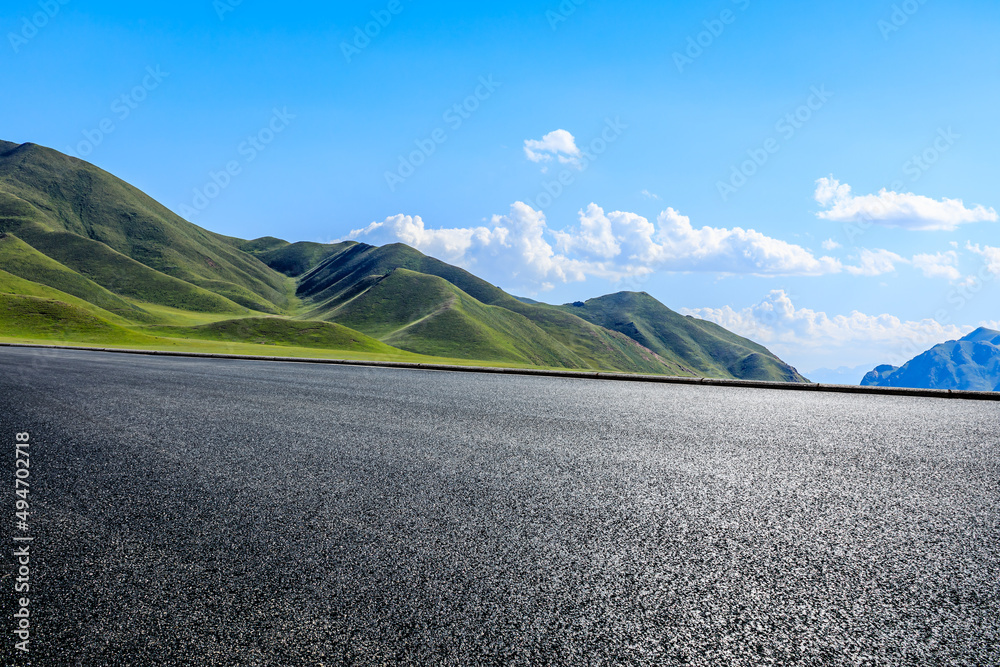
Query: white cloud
[
  {"x": 449, "y": 245},
  {"x": 830, "y": 244},
  {"x": 875, "y": 263},
  {"x": 893, "y": 209},
  {"x": 650, "y": 195},
  {"x": 595, "y": 236},
  {"x": 673, "y": 244},
  {"x": 940, "y": 265},
  {"x": 678, "y": 246},
  {"x": 559, "y": 144},
  {"x": 813, "y": 338},
  {"x": 988, "y": 253},
  {"x": 612, "y": 245},
  {"x": 513, "y": 247}
]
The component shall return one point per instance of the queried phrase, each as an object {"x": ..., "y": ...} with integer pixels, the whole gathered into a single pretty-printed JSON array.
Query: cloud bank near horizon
[{"x": 853, "y": 340}]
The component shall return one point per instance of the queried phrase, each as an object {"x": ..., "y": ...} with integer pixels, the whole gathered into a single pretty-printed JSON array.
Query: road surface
[{"x": 209, "y": 512}]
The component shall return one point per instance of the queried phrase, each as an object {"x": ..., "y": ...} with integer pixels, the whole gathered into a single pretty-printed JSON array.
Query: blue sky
[{"x": 251, "y": 120}]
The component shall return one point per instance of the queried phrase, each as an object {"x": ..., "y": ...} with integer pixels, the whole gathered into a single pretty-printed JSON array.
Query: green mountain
[
  {"x": 702, "y": 346},
  {"x": 294, "y": 259},
  {"x": 85, "y": 257},
  {"x": 416, "y": 302},
  {"x": 971, "y": 364},
  {"x": 94, "y": 223},
  {"x": 423, "y": 305}
]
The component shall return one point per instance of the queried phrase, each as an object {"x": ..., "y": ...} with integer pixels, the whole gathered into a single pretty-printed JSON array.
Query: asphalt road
[{"x": 205, "y": 512}]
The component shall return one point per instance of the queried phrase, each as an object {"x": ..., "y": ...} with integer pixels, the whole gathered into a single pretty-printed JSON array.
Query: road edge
[{"x": 580, "y": 375}]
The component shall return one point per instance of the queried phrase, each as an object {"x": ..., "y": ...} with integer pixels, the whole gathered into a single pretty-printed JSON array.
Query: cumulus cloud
[
  {"x": 513, "y": 246},
  {"x": 672, "y": 244},
  {"x": 797, "y": 334},
  {"x": 650, "y": 195},
  {"x": 595, "y": 236},
  {"x": 449, "y": 245},
  {"x": 613, "y": 245},
  {"x": 894, "y": 209},
  {"x": 677, "y": 245},
  {"x": 560, "y": 145},
  {"x": 939, "y": 265},
  {"x": 830, "y": 244}
]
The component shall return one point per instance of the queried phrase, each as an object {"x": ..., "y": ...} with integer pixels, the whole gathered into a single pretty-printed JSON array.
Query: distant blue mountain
[{"x": 971, "y": 364}]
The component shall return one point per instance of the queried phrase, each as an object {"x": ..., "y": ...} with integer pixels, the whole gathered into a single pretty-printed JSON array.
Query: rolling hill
[
  {"x": 697, "y": 344},
  {"x": 355, "y": 285},
  {"x": 86, "y": 257},
  {"x": 93, "y": 223},
  {"x": 971, "y": 363}
]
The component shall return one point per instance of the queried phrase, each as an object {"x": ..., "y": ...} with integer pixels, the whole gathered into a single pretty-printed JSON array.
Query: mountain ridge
[{"x": 971, "y": 363}]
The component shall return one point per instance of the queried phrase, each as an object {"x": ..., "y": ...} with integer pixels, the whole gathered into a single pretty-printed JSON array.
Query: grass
[
  {"x": 38, "y": 320},
  {"x": 65, "y": 195},
  {"x": 125, "y": 276},
  {"x": 579, "y": 344},
  {"x": 17, "y": 286},
  {"x": 48, "y": 319},
  {"x": 294, "y": 259},
  {"x": 276, "y": 331},
  {"x": 20, "y": 259},
  {"x": 704, "y": 347},
  {"x": 168, "y": 344},
  {"x": 428, "y": 315},
  {"x": 169, "y": 316}
]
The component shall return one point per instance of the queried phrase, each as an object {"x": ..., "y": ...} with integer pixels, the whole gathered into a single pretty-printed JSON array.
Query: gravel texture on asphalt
[{"x": 204, "y": 512}]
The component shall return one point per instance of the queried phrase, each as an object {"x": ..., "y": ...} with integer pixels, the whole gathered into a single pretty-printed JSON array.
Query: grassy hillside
[
  {"x": 49, "y": 319},
  {"x": 20, "y": 259},
  {"x": 279, "y": 331},
  {"x": 63, "y": 194},
  {"x": 628, "y": 332},
  {"x": 426, "y": 314},
  {"x": 580, "y": 343},
  {"x": 125, "y": 276},
  {"x": 15, "y": 285},
  {"x": 703, "y": 346},
  {"x": 294, "y": 259}
]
